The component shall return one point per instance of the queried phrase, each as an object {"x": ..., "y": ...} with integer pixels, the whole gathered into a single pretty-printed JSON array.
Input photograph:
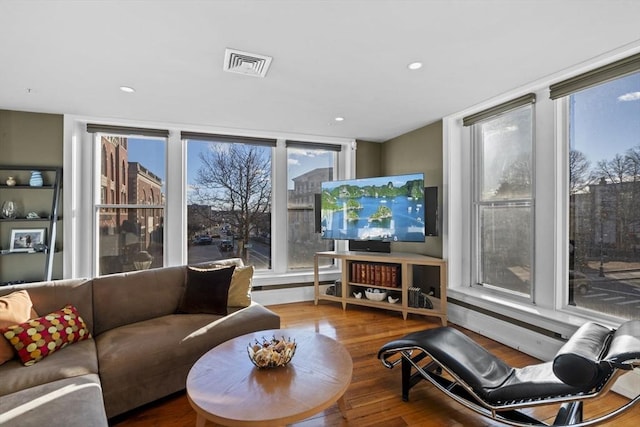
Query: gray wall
[
  {"x": 417, "y": 151},
  {"x": 368, "y": 159},
  {"x": 29, "y": 139}
]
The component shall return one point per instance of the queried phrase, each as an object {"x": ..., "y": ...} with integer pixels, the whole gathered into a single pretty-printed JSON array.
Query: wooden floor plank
[{"x": 374, "y": 396}]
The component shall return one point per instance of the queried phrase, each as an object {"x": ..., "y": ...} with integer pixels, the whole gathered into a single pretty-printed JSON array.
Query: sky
[
  {"x": 607, "y": 119},
  {"x": 150, "y": 153}
]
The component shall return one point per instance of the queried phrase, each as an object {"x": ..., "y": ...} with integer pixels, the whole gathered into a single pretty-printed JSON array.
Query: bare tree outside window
[
  {"x": 604, "y": 198},
  {"x": 233, "y": 184},
  {"x": 504, "y": 205}
]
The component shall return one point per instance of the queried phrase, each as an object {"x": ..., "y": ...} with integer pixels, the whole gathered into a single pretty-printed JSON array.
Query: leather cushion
[
  {"x": 461, "y": 355},
  {"x": 577, "y": 363},
  {"x": 530, "y": 382},
  {"x": 625, "y": 344}
]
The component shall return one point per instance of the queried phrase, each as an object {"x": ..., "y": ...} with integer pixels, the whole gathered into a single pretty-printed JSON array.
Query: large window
[
  {"x": 308, "y": 165},
  {"x": 129, "y": 214},
  {"x": 229, "y": 198},
  {"x": 503, "y": 199},
  {"x": 544, "y": 201},
  {"x": 604, "y": 197},
  {"x": 148, "y": 198}
]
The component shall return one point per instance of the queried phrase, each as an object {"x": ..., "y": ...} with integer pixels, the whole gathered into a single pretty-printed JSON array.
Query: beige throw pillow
[
  {"x": 240, "y": 288},
  {"x": 15, "y": 308}
]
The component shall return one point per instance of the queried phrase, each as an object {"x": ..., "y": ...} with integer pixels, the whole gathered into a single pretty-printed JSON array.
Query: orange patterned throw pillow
[
  {"x": 38, "y": 338},
  {"x": 14, "y": 308}
]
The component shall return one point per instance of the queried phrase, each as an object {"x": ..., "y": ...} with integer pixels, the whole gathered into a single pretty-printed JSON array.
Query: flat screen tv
[{"x": 386, "y": 209}]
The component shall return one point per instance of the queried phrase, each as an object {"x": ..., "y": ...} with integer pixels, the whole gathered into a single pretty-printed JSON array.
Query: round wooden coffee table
[{"x": 225, "y": 387}]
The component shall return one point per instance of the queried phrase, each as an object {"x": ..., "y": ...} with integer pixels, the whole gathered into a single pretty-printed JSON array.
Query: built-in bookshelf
[{"x": 386, "y": 281}]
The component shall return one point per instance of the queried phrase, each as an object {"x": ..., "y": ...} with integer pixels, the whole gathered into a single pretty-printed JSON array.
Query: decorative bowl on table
[
  {"x": 272, "y": 353},
  {"x": 375, "y": 294}
]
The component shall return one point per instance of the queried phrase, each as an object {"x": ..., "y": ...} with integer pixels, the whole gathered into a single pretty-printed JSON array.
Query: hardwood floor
[{"x": 374, "y": 396}]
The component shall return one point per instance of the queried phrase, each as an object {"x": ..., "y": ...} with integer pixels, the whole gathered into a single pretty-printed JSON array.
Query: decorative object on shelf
[
  {"x": 335, "y": 289},
  {"x": 36, "y": 179},
  {"x": 419, "y": 299},
  {"x": 392, "y": 300},
  {"x": 142, "y": 260},
  {"x": 25, "y": 240},
  {"x": 40, "y": 247},
  {"x": 272, "y": 353},
  {"x": 36, "y": 208},
  {"x": 357, "y": 295},
  {"x": 9, "y": 210},
  {"x": 375, "y": 294}
]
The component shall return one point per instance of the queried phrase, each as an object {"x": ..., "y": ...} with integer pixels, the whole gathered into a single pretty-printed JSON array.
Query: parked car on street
[
  {"x": 203, "y": 240},
  {"x": 226, "y": 246}
]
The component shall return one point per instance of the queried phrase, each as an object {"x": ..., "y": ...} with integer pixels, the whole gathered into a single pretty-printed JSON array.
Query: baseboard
[
  {"x": 538, "y": 345},
  {"x": 268, "y": 296}
]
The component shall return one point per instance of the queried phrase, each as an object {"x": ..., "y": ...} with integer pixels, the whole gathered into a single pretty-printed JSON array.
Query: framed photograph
[{"x": 25, "y": 240}]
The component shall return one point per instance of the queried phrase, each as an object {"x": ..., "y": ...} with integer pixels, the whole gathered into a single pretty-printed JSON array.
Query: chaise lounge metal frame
[{"x": 585, "y": 368}]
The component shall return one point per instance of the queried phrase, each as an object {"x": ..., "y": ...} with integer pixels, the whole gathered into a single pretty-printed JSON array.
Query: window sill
[
  {"x": 268, "y": 278},
  {"x": 562, "y": 323}
]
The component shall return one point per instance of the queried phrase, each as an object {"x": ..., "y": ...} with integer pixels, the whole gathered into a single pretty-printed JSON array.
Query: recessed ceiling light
[
  {"x": 127, "y": 89},
  {"x": 415, "y": 66},
  {"x": 339, "y": 119}
]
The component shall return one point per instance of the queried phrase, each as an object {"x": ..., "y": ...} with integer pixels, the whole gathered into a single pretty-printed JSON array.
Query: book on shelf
[{"x": 375, "y": 274}]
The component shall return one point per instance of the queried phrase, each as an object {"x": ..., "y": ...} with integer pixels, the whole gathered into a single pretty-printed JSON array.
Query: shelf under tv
[{"x": 405, "y": 262}]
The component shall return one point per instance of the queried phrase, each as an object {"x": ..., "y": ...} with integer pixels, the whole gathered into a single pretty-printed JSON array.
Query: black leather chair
[{"x": 584, "y": 368}]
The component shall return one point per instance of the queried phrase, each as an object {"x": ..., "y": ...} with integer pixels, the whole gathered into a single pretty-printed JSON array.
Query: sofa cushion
[
  {"x": 167, "y": 347},
  {"x": 69, "y": 402},
  {"x": 206, "y": 290},
  {"x": 240, "y": 288},
  {"x": 37, "y": 338},
  {"x": 78, "y": 359},
  {"x": 50, "y": 296},
  {"x": 15, "y": 308},
  {"x": 162, "y": 346},
  {"x": 132, "y": 297}
]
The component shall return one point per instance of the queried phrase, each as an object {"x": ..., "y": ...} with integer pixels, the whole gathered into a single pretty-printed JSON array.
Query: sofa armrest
[{"x": 245, "y": 320}]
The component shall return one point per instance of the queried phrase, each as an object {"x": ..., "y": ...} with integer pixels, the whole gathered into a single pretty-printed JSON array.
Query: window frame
[
  {"x": 97, "y": 204},
  {"x": 549, "y": 310},
  {"x": 200, "y": 137},
  {"x": 80, "y": 158},
  {"x": 478, "y": 202},
  {"x": 335, "y": 173}
]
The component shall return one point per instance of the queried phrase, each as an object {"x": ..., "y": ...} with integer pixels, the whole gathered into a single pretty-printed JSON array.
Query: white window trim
[
  {"x": 78, "y": 183},
  {"x": 551, "y": 214},
  {"x": 475, "y": 172}
]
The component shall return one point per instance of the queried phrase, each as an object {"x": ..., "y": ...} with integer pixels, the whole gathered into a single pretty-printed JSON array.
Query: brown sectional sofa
[{"x": 140, "y": 349}]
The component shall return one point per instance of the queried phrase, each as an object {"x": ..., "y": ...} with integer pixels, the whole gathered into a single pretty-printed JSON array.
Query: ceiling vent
[{"x": 249, "y": 64}]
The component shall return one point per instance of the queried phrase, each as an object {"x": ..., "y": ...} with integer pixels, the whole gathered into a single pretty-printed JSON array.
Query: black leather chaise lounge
[{"x": 584, "y": 368}]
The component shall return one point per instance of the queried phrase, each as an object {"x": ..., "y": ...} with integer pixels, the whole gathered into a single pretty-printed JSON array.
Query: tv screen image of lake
[{"x": 402, "y": 221}]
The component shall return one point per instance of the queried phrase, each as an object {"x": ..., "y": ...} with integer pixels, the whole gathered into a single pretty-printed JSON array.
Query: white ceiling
[{"x": 330, "y": 58}]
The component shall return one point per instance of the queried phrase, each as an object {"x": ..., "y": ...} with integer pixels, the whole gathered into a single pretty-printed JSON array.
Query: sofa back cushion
[
  {"x": 120, "y": 299},
  {"x": 53, "y": 295}
]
